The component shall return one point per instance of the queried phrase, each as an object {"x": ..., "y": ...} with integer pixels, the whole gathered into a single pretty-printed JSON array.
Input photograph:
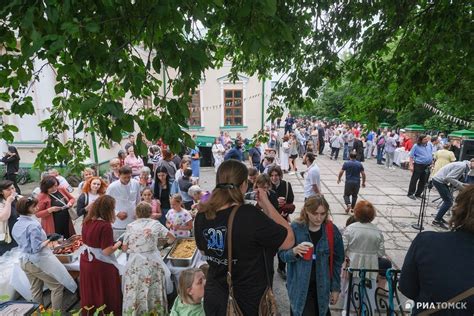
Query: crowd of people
[{"x": 243, "y": 224}]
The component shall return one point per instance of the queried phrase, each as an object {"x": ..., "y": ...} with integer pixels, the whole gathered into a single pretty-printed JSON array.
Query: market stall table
[{"x": 400, "y": 156}]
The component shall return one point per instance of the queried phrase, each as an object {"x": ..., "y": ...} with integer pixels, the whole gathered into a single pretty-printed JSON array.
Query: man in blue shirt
[
  {"x": 370, "y": 145},
  {"x": 289, "y": 121},
  {"x": 255, "y": 156},
  {"x": 354, "y": 170},
  {"x": 421, "y": 157},
  {"x": 235, "y": 152}
]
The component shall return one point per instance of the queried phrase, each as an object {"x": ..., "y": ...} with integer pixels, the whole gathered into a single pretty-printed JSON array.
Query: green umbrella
[
  {"x": 464, "y": 133},
  {"x": 414, "y": 128}
]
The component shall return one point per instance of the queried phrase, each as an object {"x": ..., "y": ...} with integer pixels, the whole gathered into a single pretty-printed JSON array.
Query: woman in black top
[
  {"x": 8, "y": 215},
  {"x": 284, "y": 193},
  {"x": 254, "y": 232},
  {"x": 161, "y": 192},
  {"x": 12, "y": 163}
]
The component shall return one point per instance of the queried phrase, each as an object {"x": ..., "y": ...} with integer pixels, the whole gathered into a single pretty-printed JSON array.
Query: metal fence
[{"x": 384, "y": 302}]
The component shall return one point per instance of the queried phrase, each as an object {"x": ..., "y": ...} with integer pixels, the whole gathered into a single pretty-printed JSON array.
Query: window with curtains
[
  {"x": 233, "y": 108},
  {"x": 195, "y": 109}
]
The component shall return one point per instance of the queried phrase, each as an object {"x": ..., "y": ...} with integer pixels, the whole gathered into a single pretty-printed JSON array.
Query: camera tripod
[{"x": 425, "y": 196}]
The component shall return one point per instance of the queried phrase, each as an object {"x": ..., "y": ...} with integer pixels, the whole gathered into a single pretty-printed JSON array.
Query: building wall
[{"x": 29, "y": 139}]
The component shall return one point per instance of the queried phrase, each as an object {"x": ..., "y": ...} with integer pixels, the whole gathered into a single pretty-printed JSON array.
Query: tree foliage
[{"x": 104, "y": 50}]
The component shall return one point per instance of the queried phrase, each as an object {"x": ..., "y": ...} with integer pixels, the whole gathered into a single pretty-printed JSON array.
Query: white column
[
  {"x": 222, "y": 123},
  {"x": 244, "y": 103}
]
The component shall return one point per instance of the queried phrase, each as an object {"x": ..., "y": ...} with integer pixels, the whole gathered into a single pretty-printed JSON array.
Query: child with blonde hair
[
  {"x": 178, "y": 220},
  {"x": 190, "y": 293}
]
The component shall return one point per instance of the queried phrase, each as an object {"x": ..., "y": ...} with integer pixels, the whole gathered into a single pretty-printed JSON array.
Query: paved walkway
[{"x": 386, "y": 189}]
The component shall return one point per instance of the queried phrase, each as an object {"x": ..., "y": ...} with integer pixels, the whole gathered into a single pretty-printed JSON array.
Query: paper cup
[{"x": 309, "y": 254}]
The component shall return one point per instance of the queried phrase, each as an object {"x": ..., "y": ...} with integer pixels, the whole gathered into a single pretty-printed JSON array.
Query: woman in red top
[
  {"x": 100, "y": 279},
  {"x": 53, "y": 208}
]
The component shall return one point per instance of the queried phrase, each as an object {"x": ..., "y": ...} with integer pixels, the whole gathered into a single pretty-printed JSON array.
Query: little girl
[
  {"x": 178, "y": 220},
  {"x": 191, "y": 291},
  {"x": 147, "y": 196}
]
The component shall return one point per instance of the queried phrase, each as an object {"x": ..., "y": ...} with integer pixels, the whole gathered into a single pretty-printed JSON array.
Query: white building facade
[{"x": 218, "y": 105}]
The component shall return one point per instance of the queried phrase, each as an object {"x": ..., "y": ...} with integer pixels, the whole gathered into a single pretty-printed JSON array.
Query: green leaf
[
  {"x": 93, "y": 27},
  {"x": 141, "y": 147},
  {"x": 114, "y": 108},
  {"x": 156, "y": 64},
  {"x": 269, "y": 7},
  {"x": 127, "y": 123},
  {"x": 90, "y": 103}
]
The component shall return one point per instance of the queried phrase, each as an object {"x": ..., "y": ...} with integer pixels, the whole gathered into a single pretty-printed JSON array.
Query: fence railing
[{"x": 362, "y": 300}]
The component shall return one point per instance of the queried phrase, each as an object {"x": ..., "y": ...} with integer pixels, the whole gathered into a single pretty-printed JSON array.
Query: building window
[
  {"x": 233, "y": 108},
  {"x": 195, "y": 109},
  {"x": 147, "y": 103}
]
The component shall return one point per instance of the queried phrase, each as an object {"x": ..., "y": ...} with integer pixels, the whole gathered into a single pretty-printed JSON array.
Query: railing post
[
  {"x": 389, "y": 276},
  {"x": 349, "y": 293}
]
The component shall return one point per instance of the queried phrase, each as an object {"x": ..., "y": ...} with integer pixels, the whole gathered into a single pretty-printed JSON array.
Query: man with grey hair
[{"x": 456, "y": 175}]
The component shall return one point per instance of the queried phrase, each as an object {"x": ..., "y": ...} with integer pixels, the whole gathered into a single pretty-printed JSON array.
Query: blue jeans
[
  {"x": 447, "y": 197},
  {"x": 379, "y": 154},
  {"x": 345, "y": 153}
]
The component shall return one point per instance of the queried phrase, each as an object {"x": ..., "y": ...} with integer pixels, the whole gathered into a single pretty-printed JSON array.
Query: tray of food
[
  {"x": 164, "y": 253},
  {"x": 68, "y": 251},
  {"x": 183, "y": 252}
]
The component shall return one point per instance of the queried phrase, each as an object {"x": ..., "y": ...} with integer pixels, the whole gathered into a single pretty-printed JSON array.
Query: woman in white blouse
[{"x": 363, "y": 245}]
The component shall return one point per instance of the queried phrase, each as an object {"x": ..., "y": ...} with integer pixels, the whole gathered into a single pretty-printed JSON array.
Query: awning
[
  {"x": 204, "y": 141},
  {"x": 464, "y": 133},
  {"x": 414, "y": 128}
]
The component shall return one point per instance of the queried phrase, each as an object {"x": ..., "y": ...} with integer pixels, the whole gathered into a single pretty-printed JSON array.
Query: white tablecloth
[
  {"x": 400, "y": 155},
  {"x": 20, "y": 282},
  {"x": 176, "y": 271}
]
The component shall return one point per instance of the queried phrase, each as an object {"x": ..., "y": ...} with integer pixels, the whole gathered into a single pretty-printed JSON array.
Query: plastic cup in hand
[{"x": 309, "y": 253}]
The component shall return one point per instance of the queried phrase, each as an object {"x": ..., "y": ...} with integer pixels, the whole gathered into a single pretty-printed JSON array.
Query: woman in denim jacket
[{"x": 309, "y": 283}]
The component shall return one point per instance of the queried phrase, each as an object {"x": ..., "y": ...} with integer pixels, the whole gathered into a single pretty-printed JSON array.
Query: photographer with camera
[{"x": 454, "y": 174}]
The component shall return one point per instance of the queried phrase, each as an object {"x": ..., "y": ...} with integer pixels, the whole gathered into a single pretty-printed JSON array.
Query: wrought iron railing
[{"x": 386, "y": 301}]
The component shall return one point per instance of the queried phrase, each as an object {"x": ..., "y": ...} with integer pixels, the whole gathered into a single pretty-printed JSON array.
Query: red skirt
[{"x": 100, "y": 285}]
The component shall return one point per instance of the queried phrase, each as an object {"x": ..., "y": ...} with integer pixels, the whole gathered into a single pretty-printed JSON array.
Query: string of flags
[
  {"x": 447, "y": 116},
  {"x": 233, "y": 103}
]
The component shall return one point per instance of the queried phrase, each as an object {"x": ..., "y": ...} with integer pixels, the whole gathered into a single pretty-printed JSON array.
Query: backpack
[
  {"x": 330, "y": 237},
  {"x": 381, "y": 141}
]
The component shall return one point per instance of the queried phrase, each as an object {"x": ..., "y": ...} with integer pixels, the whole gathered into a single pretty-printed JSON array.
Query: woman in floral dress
[{"x": 147, "y": 278}]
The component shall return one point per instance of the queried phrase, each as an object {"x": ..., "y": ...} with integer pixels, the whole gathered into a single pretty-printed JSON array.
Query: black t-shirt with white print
[{"x": 253, "y": 231}]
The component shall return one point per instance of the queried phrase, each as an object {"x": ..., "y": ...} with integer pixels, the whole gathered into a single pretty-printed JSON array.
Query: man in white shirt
[
  {"x": 126, "y": 193},
  {"x": 312, "y": 183}
]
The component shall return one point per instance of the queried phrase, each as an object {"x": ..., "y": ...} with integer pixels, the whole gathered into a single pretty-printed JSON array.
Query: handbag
[
  {"x": 288, "y": 208},
  {"x": 233, "y": 308},
  {"x": 267, "y": 306},
  {"x": 71, "y": 210}
]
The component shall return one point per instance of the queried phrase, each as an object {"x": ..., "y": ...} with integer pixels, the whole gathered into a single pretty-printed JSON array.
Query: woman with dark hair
[
  {"x": 312, "y": 283},
  {"x": 40, "y": 265},
  {"x": 92, "y": 189},
  {"x": 53, "y": 208},
  {"x": 285, "y": 197},
  {"x": 8, "y": 215},
  {"x": 12, "y": 163},
  {"x": 168, "y": 164},
  {"x": 100, "y": 272},
  {"x": 425, "y": 277},
  {"x": 421, "y": 157},
  {"x": 254, "y": 235},
  {"x": 161, "y": 192}
]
